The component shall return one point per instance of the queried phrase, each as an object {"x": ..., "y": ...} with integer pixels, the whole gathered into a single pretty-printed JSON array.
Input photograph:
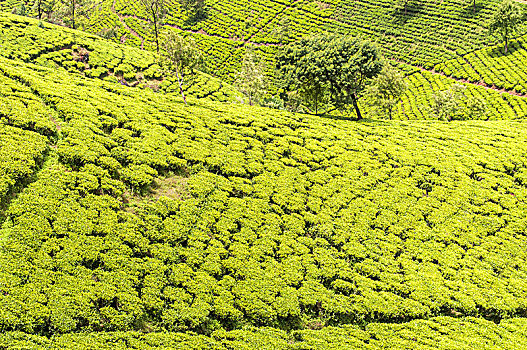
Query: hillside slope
[
  {"x": 429, "y": 33},
  {"x": 132, "y": 213},
  {"x": 48, "y": 45},
  {"x": 22, "y": 39}
]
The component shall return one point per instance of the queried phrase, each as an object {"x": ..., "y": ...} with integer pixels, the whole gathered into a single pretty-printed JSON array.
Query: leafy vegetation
[
  {"x": 290, "y": 221},
  {"x": 329, "y": 70},
  {"x": 140, "y": 211},
  {"x": 23, "y": 39},
  {"x": 506, "y": 20},
  {"x": 489, "y": 66},
  {"x": 441, "y": 333}
]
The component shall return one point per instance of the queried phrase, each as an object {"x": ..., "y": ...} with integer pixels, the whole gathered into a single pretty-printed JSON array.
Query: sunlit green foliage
[
  {"x": 427, "y": 34},
  {"x": 89, "y": 55},
  {"x": 290, "y": 220},
  {"x": 286, "y": 231},
  {"x": 441, "y": 333},
  {"x": 505, "y": 21}
]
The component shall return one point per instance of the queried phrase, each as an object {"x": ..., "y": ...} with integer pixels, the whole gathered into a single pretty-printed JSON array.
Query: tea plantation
[
  {"x": 429, "y": 33},
  {"x": 130, "y": 219},
  {"x": 21, "y": 38}
]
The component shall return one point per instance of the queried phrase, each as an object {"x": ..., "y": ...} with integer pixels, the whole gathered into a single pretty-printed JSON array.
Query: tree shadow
[
  {"x": 413, "y": 9},
  {"x": 196, "y": 16},
  {"x": 352, "y": 117}
]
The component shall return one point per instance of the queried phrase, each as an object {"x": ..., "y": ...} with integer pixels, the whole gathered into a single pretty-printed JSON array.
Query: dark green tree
[
  {"x": 350, "y": 65},
  {"x": 194, "y": 8},
  {"x": 505, "y": 21},
  {"x": 301, "y": 66},
  {"x": 329, "y": 70}
]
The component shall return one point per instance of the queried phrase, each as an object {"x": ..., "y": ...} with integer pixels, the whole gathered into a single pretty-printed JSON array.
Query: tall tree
[
  {"x": 180, "y": 56},
  {"x": 251, "y": 78},
  {"x": 505, "y": 20},
  {"x": 155, "y": 12},
  {"x": 72, "y": 10},
  {"x": 334, "y": 67},
  {"x": 386, "y": 90},
  {"x": 301, "y": 67},
  {"x": 350, "y": 65},
  {"x": 39, "y": 7}
]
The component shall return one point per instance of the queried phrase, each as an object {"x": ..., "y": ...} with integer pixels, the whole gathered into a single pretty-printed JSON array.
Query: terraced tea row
[
  {"x": 427, "y": 35},
  {"x": 441, "y": 333},
  {"x": 52, "y": 46},
  {"x": 422, "y": 86},
  {"x": 491, "y": 67}
]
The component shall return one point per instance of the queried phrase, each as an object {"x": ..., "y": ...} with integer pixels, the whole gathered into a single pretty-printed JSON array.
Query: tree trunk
[
  {"x": 356, "y": 106},
  {"x": 39, "y": 10},
  {"x": 474, "y": 3},
  {"x": 181, "y": 86},
  {"x": 73, "y": 14}
]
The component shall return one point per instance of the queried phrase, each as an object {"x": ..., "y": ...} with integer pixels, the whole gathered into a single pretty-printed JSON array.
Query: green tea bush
[{"x": 288, "y": 221}]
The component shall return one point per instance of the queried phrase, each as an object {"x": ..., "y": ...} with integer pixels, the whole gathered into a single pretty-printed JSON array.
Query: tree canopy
[
  {"x": 251, "y": 78},
  {"x": 180, "y": 56},
  {"x": 505, "y": 20},
  {"x": 329, "y": 70}
]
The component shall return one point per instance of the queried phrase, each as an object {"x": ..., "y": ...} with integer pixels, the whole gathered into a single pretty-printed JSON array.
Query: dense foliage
[
  {"x": 284, "y": 220},
  {"x": 329, "y": 70},
  {"x": 130, "y": 219},
  {"x": 491, "y": 67},
  {"x": 51, "y": 46},
  {"x": 442, "y": 333}
]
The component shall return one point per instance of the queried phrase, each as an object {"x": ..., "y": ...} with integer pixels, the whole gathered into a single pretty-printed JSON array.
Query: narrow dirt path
[{"x": 133, "y": 32}]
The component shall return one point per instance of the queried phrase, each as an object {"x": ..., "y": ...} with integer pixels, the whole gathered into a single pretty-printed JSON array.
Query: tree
[
  {"x": 181, "y": 56},
  {"x": 39, "y": 7},
  {"x": 42, "y": 7},
  {"x": 350, "y": 65},
  {"x": 386, "y": 90},
  {"x": 505, "y": 20},
  {"x": 403, "y": 4},
  {"x": 301, "y": 65},
  {"x": 48, "y": 7},
  {"x": 330, "y": 68},
  {"x": 155, "y": 12},
  {"x": 283, "y": 30},
  {"x": 251, "y": 78},
  {"x": 454, "y": 104},
  {"x": 72, "y": 10}
]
